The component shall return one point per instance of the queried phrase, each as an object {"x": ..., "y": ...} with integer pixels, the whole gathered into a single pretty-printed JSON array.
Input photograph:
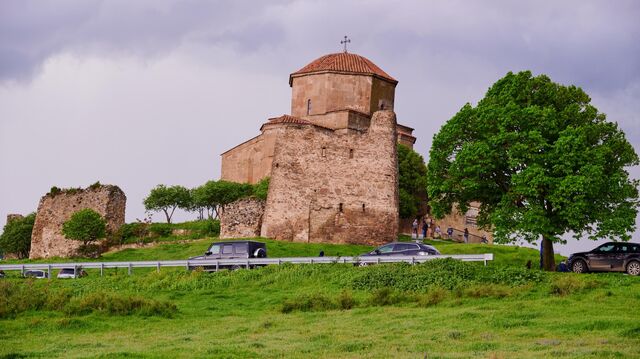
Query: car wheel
[
  {"x": 579, "y": 266},
  {"x": 363, "y": 264},
  {"x": 633, "y": 268}
]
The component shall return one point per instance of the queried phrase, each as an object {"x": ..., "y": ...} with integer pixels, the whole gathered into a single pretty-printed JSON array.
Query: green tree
[
  {"x": 412, "y": 181},
  {"x": 16, "y": 236},
  {"x": 86, "y": 225},
  {"x": 214, "y": 195},
  {"x": 541, "y": 160},
  {"x": 167, "y": 199},
  {"x": 261, "y": 189}
]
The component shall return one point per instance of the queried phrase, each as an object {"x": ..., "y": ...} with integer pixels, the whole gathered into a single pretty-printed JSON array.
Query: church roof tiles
[
  {"x": 289, "y": 119},
  {"x": 346, "y": 63}
]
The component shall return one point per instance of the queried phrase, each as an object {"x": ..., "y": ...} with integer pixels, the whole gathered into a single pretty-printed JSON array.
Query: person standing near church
[
  {"x": 414, "y": 228},
  {"x": 425, "y": 227}
]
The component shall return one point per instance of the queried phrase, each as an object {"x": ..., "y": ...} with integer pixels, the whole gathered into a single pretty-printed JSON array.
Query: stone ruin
[
  {"x": 13, "y": 216},
  {"x": 242, "y": 218},
  {"x": 58, "y": 206}
]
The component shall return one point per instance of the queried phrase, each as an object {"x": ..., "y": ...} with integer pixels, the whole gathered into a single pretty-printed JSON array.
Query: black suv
[
  {"x": 232, "y": 250},
  {"x": 609, "y": 257}
]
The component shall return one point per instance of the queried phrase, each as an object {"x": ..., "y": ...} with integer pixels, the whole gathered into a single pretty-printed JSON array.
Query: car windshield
[{"x": 215, "y": 249}]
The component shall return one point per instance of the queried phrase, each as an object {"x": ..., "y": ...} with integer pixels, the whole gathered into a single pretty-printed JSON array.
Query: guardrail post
[
  {"x": 22, "y": 270},
  {"x": 217, "y": 266},
  {"x": 187, "y": 265},
  {"x": 279, "y": 261},
  {"x": 247, "y": 264},
  {"x": 129, "y": 266},
  {"x": 311, "y": 260},
  {"x": 49, "y": 271},
  {"x": 101, "y": 269},
  {"x": 158, "y": 267}
]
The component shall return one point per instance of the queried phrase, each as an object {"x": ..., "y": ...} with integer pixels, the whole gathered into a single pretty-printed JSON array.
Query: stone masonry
[
  {"x": 242, "y": 218},
  {"x": 335, "y": 186},
  {"x": 54, "y": 209},
  {"x": 12, "y": 217}
]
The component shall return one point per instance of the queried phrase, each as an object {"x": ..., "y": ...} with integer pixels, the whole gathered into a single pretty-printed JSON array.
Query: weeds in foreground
[
  {"x": 569, "y": 284},
  {"x": 16, "y": 297}
]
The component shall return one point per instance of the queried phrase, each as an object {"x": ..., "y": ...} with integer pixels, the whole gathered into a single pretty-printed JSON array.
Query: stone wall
[
  {"x": 12, "y": 217},
  {"x": 242, "y": 218},
  {"x": 338, "y": 187},
  {"x": 47, "y": 239}
]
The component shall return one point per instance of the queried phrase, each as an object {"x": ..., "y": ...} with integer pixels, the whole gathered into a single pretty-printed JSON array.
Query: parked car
[
  {"x": 402, "y": 249},
  {"x": 35, "y": 273},
  {"x": 66, "y": 273},
  {"x": 609, "y": 257},
  {"x": 232, "y": 250}
]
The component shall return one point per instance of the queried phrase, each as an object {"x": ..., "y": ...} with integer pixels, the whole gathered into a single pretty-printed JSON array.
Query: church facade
[{"x": 332, "y": 161}]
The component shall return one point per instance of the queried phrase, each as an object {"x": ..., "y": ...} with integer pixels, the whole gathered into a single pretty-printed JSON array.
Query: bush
[
  {"x": 568, "y": 284},
  {"x": 434, "y": 296},
  {"x": 308, "y": 303},
  {"x": 115, "y": 304},
  {"x": 18, "y": 297},
  {"x": 445, "y": 273},
  {"x": 346, "y": 300},
  {"x": 16, "y": 236},
  {"x": 160, "y": 229},
  {"x": 384, "y": 296}
]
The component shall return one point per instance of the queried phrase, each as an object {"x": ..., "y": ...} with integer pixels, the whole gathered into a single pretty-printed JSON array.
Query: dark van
[{"x": 232, "y": 250}]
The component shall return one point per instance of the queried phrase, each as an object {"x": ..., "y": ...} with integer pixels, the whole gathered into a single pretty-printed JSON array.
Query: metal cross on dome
[{"x": 345, "y": 42}]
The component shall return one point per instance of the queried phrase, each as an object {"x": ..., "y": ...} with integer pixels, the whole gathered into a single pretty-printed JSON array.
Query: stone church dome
[{"x": 343, "y": 62}]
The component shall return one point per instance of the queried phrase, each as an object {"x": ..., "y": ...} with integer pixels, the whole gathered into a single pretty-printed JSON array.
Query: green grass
[{"x": 436, "y": 310}]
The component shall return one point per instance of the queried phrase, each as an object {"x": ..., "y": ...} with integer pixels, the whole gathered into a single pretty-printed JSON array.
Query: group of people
[{"x": 434, "y": 230}]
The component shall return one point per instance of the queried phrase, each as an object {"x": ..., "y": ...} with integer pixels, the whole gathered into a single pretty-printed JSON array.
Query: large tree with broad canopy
[{"x": 541, "y": 160}]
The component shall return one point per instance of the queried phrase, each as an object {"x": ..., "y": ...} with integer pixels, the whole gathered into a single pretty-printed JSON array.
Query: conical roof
[{"x": 343, "y": 62}]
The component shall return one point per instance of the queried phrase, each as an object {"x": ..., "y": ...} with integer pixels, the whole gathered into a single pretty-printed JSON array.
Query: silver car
[{"x": 66, "y": 273}]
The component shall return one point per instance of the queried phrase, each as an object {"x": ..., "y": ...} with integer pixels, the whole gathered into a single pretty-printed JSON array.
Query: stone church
[{"x": 332, "y": 161}]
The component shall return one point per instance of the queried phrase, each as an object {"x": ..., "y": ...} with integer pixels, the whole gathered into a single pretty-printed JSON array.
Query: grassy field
[{"x": 443, "y": 309}]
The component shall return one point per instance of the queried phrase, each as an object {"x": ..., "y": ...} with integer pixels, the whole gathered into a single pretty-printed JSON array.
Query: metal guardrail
[{"x": 242, "y": 263}]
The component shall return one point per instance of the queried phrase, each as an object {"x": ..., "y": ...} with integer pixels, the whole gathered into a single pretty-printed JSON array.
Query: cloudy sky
[{"x": 137, "y": 93}]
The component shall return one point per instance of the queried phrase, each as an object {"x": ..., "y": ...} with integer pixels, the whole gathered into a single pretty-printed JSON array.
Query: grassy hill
[{"x": 441, "y": 309}]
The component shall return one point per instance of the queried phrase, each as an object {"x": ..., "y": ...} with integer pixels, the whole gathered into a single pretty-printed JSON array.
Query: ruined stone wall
[
  {"x": 242, "y": 218},
  {"x": 47, "y": 239},
  {"x": 12, "y": 217},
  {"x": 335, "y": 187}
]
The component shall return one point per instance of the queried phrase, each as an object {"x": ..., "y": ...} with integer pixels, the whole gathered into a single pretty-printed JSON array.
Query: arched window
[{"x": 308, "y": 106}]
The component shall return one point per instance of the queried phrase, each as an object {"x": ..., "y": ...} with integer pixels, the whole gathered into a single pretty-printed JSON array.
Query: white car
[
  {"x": 35, "y": 273},
  {"x": 66, "y": 273}
]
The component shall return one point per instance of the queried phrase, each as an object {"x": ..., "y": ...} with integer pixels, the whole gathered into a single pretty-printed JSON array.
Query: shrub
[
  {"x": 487, "y": 290},
  {"x": 568, "y": 284},
  {"x": 445, "y": 273},
  {"x": 115, "y": 304},
  {"x": 308, "y": 303},
  {"x": 384, "y": 296},
  {"x": 346, "y": 300},
  {"x": 160, "y": 229},
  {"x": 434, "y": 296}
]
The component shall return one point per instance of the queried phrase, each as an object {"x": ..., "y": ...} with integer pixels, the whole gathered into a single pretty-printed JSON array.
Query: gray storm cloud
[{"x": 147, "y": 92}]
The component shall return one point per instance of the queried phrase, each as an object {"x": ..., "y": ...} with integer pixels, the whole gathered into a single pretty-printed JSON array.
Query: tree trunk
[
  {"x": 166, "y": 213},
  {"x": 548, "y": 259}
]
